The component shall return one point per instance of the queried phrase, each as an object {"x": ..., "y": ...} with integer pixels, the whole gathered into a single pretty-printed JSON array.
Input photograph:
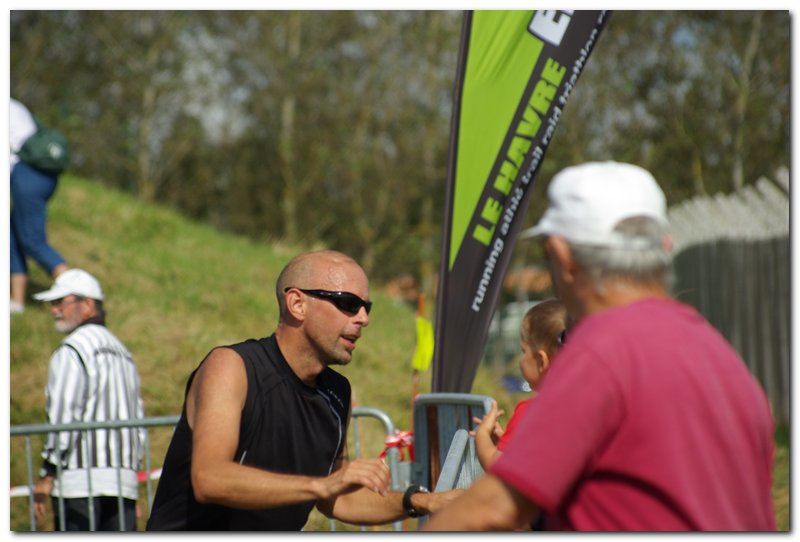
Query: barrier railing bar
[
  {"x": 29, "y": 461},
  {"x": 120, "y": 512},
  {"x": 148, "y": 482},
  {"x": 393, "y": 454},
  {"x": 86, "y": 437},
  {"x": 62, "y": 520},
  {"x": 40, "y": 428},
  {"x": 453, "y": 461}
]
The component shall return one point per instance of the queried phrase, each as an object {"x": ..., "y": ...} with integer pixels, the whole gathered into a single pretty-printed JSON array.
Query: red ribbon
[{"x": 400, "y": 440}]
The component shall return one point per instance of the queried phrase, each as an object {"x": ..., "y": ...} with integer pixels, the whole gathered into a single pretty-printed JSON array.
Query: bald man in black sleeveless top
[{"x": 262, "y": 435}]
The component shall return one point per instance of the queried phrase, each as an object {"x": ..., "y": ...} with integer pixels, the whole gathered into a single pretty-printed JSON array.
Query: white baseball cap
[
  {"x": 72, "y": 282},
  {"x": 589, "y": 200}
]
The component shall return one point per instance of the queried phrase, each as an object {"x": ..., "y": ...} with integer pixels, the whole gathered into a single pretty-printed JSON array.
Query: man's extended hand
[
  {"x": 372, "y": 474},
  {"x": 41, "y": 491}
]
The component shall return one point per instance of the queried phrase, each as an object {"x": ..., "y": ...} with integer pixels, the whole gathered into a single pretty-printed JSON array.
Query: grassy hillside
[{"x": 175, "y": 289}]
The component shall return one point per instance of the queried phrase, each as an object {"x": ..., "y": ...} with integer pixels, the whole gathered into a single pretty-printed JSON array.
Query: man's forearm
[
  {"x": 250, "y": 488},
  {"x": 365, "y": 507},
  {"x": 240, "y": 486}
]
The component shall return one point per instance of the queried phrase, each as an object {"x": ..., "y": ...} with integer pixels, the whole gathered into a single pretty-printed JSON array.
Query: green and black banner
[{"x": 516, "y": 72}]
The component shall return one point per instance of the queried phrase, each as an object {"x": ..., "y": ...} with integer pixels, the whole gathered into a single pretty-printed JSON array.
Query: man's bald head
[{"x": 319, "y": 269}]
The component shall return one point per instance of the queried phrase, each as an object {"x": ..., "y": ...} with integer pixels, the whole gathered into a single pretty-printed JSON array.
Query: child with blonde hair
[{"x": 542, "y": 333}]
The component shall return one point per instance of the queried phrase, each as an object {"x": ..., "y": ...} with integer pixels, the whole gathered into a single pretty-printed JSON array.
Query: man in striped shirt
[{"x": 92, "y": 378}]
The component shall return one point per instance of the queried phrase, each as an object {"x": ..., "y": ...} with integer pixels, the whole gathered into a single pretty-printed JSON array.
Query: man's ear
[
  {"x": 295, "y": 305},
  {"x": 560, "y": 254},
  {"x": 89, "y": 308}
]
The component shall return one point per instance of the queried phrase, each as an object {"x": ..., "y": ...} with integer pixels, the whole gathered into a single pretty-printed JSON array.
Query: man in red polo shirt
[{"x": 648, "y": 420}]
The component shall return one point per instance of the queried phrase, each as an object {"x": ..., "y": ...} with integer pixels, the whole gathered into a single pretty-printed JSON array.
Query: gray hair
[
  {"x": 639, "y": 255},
  {"x": 99, "y": 316}
]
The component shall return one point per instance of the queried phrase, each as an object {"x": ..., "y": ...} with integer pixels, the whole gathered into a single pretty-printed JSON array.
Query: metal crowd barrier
[
  {"x": 437, "y": 417},
  {"x": 26, "y": 431}
]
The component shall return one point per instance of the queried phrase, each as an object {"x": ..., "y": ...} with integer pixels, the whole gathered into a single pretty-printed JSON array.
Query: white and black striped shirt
[{"x": 93, "y": 378}]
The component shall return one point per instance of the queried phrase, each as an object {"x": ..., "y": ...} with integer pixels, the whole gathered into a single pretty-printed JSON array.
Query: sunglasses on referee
[{"x": 344, "y": 301}]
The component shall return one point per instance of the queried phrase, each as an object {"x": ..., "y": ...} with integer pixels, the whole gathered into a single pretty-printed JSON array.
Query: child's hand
[{"x": 489, "y": 423}]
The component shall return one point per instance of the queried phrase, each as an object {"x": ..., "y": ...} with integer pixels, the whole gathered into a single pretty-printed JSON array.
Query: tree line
[{"x": 332, "y": 127}]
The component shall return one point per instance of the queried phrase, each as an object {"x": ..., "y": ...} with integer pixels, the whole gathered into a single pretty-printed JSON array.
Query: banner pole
[
  {"x": 415, "y": 371},
  {"x": 444, "y": 258}
]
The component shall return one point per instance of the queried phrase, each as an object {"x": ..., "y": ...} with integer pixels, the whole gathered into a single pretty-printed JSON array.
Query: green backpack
[{"x": 45, "y": 150}]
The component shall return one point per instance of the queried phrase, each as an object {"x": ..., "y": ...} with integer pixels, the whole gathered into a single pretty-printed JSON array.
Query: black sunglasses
[{"x": 344, "y": 301}]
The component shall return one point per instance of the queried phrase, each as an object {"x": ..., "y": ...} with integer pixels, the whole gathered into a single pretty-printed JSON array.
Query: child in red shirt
[{"x": 542, "y": 333}]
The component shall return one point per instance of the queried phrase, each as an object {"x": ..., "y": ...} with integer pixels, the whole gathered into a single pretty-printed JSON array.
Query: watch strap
[{"x": 407, "y": 506}]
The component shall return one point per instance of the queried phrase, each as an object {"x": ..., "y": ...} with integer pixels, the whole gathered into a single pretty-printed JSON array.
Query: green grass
[{"x": 175, "y": 289}]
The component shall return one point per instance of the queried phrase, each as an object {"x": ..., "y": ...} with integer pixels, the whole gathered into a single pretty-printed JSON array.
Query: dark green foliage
[{"x": 333, "y": 127}]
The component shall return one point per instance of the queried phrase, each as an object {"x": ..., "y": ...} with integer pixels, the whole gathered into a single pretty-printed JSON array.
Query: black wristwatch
[{"x": 409, "y": 509}]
